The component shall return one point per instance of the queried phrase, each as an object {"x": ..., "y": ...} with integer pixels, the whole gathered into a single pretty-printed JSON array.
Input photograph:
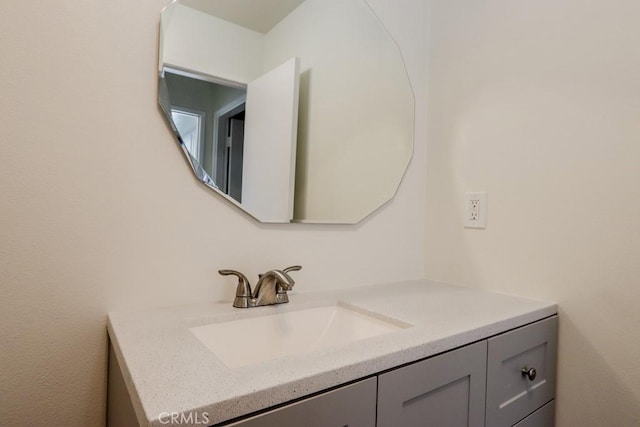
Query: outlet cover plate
[{"x": 475, "y": 209}]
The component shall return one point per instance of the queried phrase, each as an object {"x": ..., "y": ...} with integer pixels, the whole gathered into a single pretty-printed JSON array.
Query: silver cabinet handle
[{"x": 529, "y": 373}]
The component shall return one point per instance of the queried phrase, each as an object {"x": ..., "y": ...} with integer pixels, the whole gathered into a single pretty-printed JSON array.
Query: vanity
[{"x": 385, "y": 355}]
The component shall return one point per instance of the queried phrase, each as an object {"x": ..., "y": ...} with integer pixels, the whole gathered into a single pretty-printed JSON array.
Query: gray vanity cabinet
[
  {"x": 513, "y": 390},
  {"x": 349, "y": 406},
  {"x": 489, "y": 383},
  {"x": 446, "y": 390}
]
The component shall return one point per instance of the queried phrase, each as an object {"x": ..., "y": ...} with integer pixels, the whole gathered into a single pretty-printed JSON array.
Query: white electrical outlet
[{"x": 475, "y": 210}]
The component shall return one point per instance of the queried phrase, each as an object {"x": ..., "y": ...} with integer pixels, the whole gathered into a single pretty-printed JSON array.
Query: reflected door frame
[{"x": 228, "y": 150}]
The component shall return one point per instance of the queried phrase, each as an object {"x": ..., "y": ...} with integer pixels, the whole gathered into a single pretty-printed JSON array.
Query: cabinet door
[
  {"x": 443, "y": 391},
  {"x": 350, "y": 406},
  {"x": 511, "y": 394}
]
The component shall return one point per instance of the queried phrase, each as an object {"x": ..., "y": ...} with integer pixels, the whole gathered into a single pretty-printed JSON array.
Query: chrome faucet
[{"x": 271, "y": 288}]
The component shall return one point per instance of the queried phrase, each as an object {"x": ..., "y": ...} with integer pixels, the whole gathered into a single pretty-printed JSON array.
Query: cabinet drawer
[
  {"x": 349, "y": 406},
  {"x": 446, "y": 390},
  {"x": 543, "y": 417},
  {"x": 512, "y": 395}
]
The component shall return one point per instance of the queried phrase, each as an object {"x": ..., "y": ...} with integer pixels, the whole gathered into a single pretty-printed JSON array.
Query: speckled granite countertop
[{"x": 167, "y": 369}]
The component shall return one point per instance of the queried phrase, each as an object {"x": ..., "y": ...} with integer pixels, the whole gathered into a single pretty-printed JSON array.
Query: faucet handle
[
  {"x": 243, "y": 291},
  {"x": 281, "y": 293}
]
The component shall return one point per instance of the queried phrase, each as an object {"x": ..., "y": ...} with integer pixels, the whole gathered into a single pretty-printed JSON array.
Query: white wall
[
  {"x": 100, "y": 212},
  {"x": 206, "y": 44},
  {"x": 537, "y": 102}
]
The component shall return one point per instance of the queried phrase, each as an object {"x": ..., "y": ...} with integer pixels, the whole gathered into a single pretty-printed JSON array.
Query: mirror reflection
[
  {"x": 210, "y": 120},
  {"x": 293, "y": 110}
]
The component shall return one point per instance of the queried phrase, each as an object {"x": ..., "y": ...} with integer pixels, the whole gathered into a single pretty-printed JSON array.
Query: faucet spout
[
  {"x": 271, "y": 288},
  {"x": 270, "y": 283}
]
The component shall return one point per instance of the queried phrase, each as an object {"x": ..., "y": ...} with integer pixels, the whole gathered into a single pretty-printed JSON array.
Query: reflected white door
[{"x": 270, "y": 135}]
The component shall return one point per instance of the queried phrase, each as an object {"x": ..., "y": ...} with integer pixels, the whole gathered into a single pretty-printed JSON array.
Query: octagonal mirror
[{"x": 292, "y": 110}]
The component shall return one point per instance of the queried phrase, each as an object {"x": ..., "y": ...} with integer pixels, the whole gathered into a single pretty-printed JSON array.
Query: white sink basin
[{"x": 258, "y": 339}]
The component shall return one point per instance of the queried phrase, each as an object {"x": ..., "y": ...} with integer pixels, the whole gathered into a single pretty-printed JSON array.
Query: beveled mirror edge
[
  {"x": 208, "y": 182},
  {"x": 413, "y": 128}
]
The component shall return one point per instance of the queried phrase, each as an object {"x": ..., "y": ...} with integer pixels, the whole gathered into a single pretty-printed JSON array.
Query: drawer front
[
  {"x": 446, "y": 390},
  {"x": 511, "y": 394},
  {"x": 543, "y": 417},
  {"x": 349, "y": 406}
]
